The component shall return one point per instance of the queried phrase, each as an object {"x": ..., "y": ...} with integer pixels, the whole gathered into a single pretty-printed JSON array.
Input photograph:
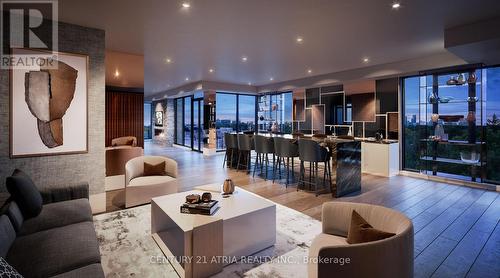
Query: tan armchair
[
  {"x": 390, "y": 257},
  {"x": 124, "y": 141},
  {"x": 116, "y": 157},
  {"x": 139, "y": 189}
]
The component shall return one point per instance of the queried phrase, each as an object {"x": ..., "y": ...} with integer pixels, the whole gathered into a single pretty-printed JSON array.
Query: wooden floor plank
[{"x": 487, "y": 264}]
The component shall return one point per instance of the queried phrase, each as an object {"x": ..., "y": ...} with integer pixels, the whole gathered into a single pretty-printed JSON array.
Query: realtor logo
[{"x": 27, "y": 24}]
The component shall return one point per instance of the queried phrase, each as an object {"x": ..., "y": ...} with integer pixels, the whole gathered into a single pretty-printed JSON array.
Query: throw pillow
[
  {"x": 360, "y": 231},
  {"x": 24, "y": 192},
  {"x": 154, "y": 170},
  {"x": 6, "y": 270}
]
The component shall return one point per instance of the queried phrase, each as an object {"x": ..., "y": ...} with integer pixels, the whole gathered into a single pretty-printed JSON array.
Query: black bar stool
[
  {"x": 231, "y": 146},
  {"x": 263, "y": 147},
  {"x": 285, "y": 148},
  {"x": 245, "y": 148},
  {"x": 310, "y": 151}
]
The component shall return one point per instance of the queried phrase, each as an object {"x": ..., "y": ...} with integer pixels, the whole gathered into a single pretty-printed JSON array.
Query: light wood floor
[{"x": 457, "y": 231}]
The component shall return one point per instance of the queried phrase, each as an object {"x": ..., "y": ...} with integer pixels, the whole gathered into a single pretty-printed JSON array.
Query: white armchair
[{"x": 139, "y": 189}]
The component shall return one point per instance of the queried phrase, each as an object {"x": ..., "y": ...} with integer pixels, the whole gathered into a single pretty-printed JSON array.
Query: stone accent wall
[
  {"x": 167, "y": 106},
  {"x": 65, "y": 169}
]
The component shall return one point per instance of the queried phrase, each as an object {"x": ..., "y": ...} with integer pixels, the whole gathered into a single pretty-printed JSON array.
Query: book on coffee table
[{"x": 205, "y": 208}]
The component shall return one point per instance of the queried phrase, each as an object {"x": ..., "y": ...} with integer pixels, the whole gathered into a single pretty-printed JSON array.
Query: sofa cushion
[
  {"x": 15, "y": 215},
  {"x": 57, "y": 215},
  {"x": 92, "y": 270},
  {"x": 154, "y": 169},
  {"x": 360, "y": 231},
  {"x": 55, "y": 251},
  {"x": 7, "y": 235},
  {"x": 150, "y": 180},
  {"x": 25, "y": 193},
  {"x": 6, "y": 270}
]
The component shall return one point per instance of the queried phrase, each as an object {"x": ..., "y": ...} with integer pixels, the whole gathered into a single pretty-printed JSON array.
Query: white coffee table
[{"x": 202, "y": 245}]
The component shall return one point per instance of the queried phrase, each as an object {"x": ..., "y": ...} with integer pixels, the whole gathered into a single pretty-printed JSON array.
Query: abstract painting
[{"x": 49, "y": 106}]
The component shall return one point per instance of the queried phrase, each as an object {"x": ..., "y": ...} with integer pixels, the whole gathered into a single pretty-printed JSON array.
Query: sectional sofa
[{"x": 59, "y": 242}]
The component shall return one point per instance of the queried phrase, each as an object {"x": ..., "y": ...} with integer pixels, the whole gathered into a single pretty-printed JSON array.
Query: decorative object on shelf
[
  {"x": 470, "y": 157},
  {"x": 379, "y": 136},
  {"x": 438, "y": 132},
  {"x": 472, "y": 99},
  {"x": 452, "y": 81},
  {"x": 261, "y": 118},
  {"x": 228, "y": 187},
  {"x": 471, "y": 117},
  {"x": 461, "y": 79},
  {"x": 435, "y": 118},
  {"x": 274, "y": 127},
  {"x": 192, "y": 198},
  {"x": 472, "y": 78},
  {"x": 433, "y": 98},
  {"x": 457, "y": 81},
  {"x": 274, "y": 107},
  {"x": 445, "y": 99},
  {"x": 451, "y": 118},
  {"x": 206, "y": 197}
]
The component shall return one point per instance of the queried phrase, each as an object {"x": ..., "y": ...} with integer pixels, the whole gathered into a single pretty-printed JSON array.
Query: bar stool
[
  {"x": 245, "y": 147},
  {"x": 310, "y": 151},
  {"x": 285, "y": 148},
  {"x": 231, "y": 145},
  {"x": 263, "y": 147}
]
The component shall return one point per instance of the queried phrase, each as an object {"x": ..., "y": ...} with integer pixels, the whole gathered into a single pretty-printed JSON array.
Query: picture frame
[
  {"x": 159, "y": 118},
  {"x": 49, "y": 119}
]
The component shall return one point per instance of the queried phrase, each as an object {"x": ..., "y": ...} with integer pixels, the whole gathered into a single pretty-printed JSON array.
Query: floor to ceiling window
[
  {"x": 225, "y": 113},
  {"x": 179, "y": 118},
  {"x": 246, "y": 113},
  {"x": 451, "y": 126},
  {"x": 147, "y": 120},
  {"x": 187, "y": 121},
  {"x": 234, "y": 113}
]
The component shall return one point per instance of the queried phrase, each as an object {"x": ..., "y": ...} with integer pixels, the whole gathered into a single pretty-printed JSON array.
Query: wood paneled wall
[{"x": 124, "y": 116}]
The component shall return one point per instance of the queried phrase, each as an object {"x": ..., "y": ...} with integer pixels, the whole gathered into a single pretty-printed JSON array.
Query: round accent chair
[
  {"x": 389, "y": 257},
  {"x": 139, "y": 189}
]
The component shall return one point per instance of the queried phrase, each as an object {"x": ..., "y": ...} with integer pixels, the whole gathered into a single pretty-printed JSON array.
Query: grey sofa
[{"x": 59, "y": 242}]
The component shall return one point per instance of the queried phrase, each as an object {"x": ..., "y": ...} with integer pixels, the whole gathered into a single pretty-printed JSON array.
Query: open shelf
[{"x": 450, "y": 160}]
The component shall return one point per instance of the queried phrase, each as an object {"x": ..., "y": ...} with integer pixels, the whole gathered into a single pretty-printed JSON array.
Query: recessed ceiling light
[
  {"x": 187, "y": 79},
  {"x": 211, "y": 70},
  {"x": 249, "y": 83},
  {"x": 366, "y": 60},
  {"x": 271, "y": 79},
  {"x": 186, "y": 5},
  {"x": 244, "y": 58},
  {"x": 396, "y": 5},
  {"x": 309, "y": 71},
  {"x": 299, "y": 39},
  {"x": 168, "y": 60},
  {"x": 117, "y": 73}
]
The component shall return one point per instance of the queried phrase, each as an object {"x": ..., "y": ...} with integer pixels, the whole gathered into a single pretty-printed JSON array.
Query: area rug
[{"x": 128, "y": 250}]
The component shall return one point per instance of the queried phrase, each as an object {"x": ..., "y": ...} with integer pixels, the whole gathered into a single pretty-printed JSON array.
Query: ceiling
[{"x": 216, "y": 34}]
